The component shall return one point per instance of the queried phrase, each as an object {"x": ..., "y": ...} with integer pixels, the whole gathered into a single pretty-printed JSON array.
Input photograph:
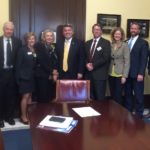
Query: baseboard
[{"x": 146, "y": 100}]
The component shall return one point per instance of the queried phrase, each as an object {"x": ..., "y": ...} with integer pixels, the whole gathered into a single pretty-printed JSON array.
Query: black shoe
[
  {"x": 2, "y": 124},
  {"x": 24, "y": 122},
  {"x": 10, "y": 121}
]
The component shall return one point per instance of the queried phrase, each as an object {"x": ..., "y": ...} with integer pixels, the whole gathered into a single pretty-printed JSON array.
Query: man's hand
[
  {"x": 140, "y": 77},
  {"x": 89, "y": 66},
  {"x": 55, "y": 75},
  {"x": 79, "y": 76}
]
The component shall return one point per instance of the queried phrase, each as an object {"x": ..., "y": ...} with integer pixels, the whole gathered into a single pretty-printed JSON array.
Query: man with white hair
[{"x": 9, "y": 46}]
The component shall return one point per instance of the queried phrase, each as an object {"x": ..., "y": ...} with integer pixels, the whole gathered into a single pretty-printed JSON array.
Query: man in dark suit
[
  {"x": 98, "y": 52},
  {"x": 148, "y": 69},
  {"x": 135, "y": 81},
  {"x": 9, "y": 46},
  {"x": 71, "y": 55}
]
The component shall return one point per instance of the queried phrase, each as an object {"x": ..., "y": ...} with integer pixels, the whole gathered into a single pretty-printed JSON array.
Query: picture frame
[
  {"x": 144, "y": 23},
  {"x": 108, "y": 21}
]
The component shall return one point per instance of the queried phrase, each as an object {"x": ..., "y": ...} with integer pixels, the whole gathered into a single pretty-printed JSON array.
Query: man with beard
[{"x": 135, "y": 81}]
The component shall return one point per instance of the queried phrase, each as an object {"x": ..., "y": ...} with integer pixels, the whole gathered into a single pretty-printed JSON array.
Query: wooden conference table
[
  {"x": 1, "y": 142},
  {"x": 114, "y": 129}
]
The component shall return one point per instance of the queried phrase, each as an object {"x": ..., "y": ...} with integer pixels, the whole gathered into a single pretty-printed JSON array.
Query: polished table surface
[
  {"x": 114, "y": 129},
  {"x": 1, "y": 142}
]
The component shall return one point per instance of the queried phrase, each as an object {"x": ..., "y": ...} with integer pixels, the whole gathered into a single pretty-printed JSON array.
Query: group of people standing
[{"x": 34, "y": 67}]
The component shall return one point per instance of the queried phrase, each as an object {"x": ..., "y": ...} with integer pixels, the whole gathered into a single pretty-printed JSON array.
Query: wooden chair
[
  {"x": 72, "y": 90},
  {"x": 1, "y": 142}
]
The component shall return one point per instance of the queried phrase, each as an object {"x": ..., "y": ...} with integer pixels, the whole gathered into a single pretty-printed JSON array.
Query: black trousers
[
  {"x": 7, "y": 93},
  {"x": 116, "y": 89},
  {"x": 45, "y": 89},
  {"x": 98, "y": 89}
]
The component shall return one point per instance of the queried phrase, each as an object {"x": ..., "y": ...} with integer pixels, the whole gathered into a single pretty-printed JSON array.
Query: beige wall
[
  {"x": 4, "y": 11},
  {"x": 128, "y": 9}
]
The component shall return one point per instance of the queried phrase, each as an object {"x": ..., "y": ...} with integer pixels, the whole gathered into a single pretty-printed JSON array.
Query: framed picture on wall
[
  {"x": 108, "y": 21},
  {"x": 144, "y": 27}
]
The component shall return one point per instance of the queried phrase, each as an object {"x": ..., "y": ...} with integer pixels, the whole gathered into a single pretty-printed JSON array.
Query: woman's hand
[{"x": 123, "y": 80}]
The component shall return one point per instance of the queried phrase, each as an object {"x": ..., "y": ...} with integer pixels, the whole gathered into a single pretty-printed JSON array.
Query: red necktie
[{"x": 92, "y": 50}]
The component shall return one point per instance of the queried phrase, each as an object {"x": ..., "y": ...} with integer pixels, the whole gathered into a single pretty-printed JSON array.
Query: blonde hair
[
  {"x": 28, "y": 35},
  {"x": 115, "y": 30}
]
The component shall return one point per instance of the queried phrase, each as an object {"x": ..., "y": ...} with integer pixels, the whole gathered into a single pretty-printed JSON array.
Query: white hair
[
  {"x": 8, "y": 23},
  {"x": 44, "y": 33}
]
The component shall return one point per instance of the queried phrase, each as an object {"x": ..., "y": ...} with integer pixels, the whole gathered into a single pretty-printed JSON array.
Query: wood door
[{"x": 36, "y": 15}]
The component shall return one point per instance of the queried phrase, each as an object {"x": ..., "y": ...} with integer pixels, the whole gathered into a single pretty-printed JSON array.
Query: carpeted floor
[
  {"x": 147, "y": 120},
  {"x": 17, "y": 137},
  {"x": 17, "y": 140}
]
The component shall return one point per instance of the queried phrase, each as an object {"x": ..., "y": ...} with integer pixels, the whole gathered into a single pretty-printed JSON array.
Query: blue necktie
[{"x": 130, "y": 43}]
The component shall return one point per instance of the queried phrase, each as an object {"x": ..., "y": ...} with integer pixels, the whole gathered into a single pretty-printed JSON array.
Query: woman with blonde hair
[
  {"x": 119, "y": 65},
  {"x": 25, "y": 73},
  {"x": 46, "y": 67}
]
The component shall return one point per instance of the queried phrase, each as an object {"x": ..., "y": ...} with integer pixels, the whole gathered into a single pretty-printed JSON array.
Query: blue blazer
[
  {"x": 76, "y": 57},
  {"x": 138, "y": 56}
]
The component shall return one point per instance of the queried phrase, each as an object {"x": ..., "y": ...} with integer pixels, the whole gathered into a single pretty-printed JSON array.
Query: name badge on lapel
[
  {"x": 29, "y": 53},
  {"x": 99, "y": 48}
]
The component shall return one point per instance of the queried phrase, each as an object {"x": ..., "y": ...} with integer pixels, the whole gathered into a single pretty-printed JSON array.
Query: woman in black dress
[
  {"x": 46, "y": 67},
  {"x": 25, "y": 73}
]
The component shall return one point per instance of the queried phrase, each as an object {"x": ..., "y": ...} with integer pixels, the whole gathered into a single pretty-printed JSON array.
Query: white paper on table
[
  {"x": 86, "y": 111},
  {"x": 65, "y": 124}
]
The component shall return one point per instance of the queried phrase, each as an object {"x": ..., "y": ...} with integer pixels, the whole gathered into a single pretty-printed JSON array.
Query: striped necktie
[{"x": 92, "y": 50}]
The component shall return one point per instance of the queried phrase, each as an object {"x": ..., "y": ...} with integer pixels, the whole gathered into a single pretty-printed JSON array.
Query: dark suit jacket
[
  {"x": 148, "y": 67},
  {"x": 16, "y": 44},
  {"x": 138, "y": 56},
  {"x": 25, "y": 65},
  {"x": 76, "y": 57},
  {"x": 101, "y": 59},
  {"x": 46, "y": 60}
]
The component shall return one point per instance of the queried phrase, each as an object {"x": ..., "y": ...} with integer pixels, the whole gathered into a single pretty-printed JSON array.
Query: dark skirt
[{"x": 26, "y": 86}]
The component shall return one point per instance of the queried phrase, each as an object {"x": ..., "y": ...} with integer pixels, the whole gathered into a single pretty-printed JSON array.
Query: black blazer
[
  {"x": 16, "y": 44},
  {"x": 46, "y": 60},
  {"x": 138, "y": 56},
  {"x": 25, "y": 64},
  {"x": 101, "y": 59},
  {"x": 76, "y": 57}
]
